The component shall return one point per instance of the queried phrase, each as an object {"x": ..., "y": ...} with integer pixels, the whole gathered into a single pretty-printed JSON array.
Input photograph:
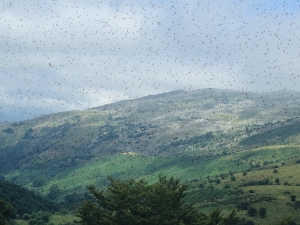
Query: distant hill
[
  {"x": 206, "y": 122},
  {"x": 168, "y": 123}
]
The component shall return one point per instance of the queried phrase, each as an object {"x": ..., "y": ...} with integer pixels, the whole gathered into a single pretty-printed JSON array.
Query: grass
[
  {"x": 56, "y": 219},
  {"x": 194, "y": 170}
]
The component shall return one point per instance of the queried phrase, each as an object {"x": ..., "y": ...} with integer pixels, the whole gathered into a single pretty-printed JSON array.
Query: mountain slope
[
  {"x": 23, "y": 200},
  {"x": 207, "y": 119},
  {"x": 206, "y": 123}
]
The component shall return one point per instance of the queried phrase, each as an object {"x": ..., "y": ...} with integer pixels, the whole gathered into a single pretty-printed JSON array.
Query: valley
[{"x": 230, "y": 147}]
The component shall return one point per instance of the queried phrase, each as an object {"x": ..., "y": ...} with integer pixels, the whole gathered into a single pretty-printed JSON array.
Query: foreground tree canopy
[
  {"x": 136, "y": 203},
  {"x": 7, "y": 212}
]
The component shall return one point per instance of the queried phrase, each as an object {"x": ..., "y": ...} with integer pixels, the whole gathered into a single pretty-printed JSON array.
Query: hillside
[
  {"x": 23, "y": 200},
  {"x": 205, "y": 120},
  {"x": 203, "y": 137}
]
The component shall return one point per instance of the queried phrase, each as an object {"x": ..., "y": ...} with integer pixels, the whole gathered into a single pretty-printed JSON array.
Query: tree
[
  {"x": 262, "y": 212},
  {"x": 54, "y": 192},
  {"x": 26, "y": 216},
  {"x": 252, "y": 211},
  {"x": 7, "y": 212},
  {"x": 135, "y": 202},
  {"x": 243, "y": 205},
  {"x": 293, "y": 198},
  {"x": 201, "y": 185},
  {"x": 297, "y": 204},
  {"x": 277, "y": 180}
]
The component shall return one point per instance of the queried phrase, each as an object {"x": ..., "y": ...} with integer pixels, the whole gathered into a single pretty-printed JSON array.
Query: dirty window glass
[{"x": 204, "y": 91}]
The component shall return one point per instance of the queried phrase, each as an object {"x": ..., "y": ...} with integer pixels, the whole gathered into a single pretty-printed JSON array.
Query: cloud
[{"x": 64, "y": 55}]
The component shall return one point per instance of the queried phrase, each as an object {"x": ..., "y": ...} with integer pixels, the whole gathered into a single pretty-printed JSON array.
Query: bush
[
  {"x": 227, "y": 186},
  {"x": 249, "y": 222},
  {"x": 243, "y": 205},
  {"x": 38, "y": 218},
  {"x": 257, "y": 182},
  {"x": 40, "y": 222},
  {"x": 262, "y": 212},
  {"x": 201, "y": 185},
  {"x": 297, "y": 204},
  {"x": 293, "y": 198},
  {"x": 252, "y": 211},
  {"x": 26, "y": 216}
]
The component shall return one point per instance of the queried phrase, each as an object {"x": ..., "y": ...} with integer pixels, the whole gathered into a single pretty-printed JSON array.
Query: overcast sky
[{"x": 63, "y": 55}]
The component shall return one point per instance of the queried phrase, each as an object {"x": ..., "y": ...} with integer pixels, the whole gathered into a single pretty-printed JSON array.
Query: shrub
[
  {"x": 266, "y": 163},
  {"x": 293, "y": 198},
  {"x": 243, "y": 205},
  {"x": 39, "y": 222},
  {"x": 26, "y": 216},
  {"x": 252, "y": 211},
  {"x": 249, "y": 222},
  {"x": 262, "y": 212},
  {"x": 297, "y": 204},
  {"x": 201, "y": 185},
  {"x": 227, "y": 186}
]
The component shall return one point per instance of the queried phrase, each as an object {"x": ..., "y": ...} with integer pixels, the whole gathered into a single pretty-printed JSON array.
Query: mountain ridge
[{"x": 204, "y": 122}]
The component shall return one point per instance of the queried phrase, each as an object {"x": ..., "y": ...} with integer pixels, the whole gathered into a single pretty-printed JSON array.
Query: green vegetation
[
  {"x": 23, "y": 200},
  {"x": 252, "y": 211},
  {"x": 235, "y": 150},
  {"x": 7, "y": 212},
  {"x": 262, "y": 212},
  {"x": 136, "y": 203}
]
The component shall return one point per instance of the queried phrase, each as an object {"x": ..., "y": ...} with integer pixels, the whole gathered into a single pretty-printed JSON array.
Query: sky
[{"x": 70, "y": 55}]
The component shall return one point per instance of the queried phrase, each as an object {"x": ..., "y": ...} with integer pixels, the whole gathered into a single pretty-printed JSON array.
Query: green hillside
[{"x": 204, "y": 137}]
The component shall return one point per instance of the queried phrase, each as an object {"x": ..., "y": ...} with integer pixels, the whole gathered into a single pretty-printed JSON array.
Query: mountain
[
  {"x": 206, "y": 120},
  {"x": 204, "y": 137}
]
